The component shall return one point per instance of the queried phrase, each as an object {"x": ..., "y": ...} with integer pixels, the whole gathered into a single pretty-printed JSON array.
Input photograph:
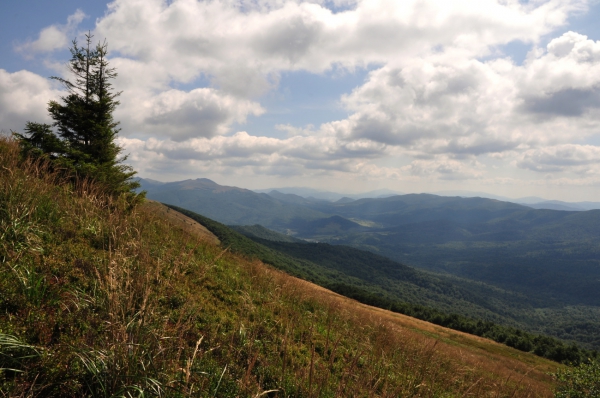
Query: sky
[{"x": 497, "y": 96}]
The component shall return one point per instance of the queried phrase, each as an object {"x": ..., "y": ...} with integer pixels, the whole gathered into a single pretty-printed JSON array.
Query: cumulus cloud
[
  {"x": 568, "y": 157},
  {"x": 243, "y": 154},
  {"x": 244, "y": 146},
  {"x": 434, "y": 96},
  {"x": 244, "y": 45},
  {"x": 202, "y": 112},
  {"x": 53, "y": 37},
  {"x": 24, "y": 97},
  {"x": 293, "y": 155},
  {"x": 447, "y": 103},
  {"x": 436, "y": 104},
  {"x": 565, "y": 81}
]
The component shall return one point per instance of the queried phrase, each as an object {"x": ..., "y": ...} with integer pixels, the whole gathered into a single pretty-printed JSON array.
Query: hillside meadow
[{"x": 98, "y": 298}]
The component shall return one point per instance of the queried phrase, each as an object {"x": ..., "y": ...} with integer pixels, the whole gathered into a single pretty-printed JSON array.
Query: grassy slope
[{"x": 99, "y": 300}]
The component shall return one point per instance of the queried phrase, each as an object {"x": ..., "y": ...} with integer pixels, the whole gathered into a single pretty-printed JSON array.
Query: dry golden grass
[{"x": 178, "y": 220}]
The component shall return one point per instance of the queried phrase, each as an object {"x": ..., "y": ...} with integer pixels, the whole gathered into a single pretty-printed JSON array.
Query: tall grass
[{"x": 98, "y": 299}]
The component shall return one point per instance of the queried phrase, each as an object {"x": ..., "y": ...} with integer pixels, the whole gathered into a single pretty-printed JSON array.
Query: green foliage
[
  {"x": 33, "y": 285},
  {"x": 39, "y": 140},
  {"x": 15, "y": 354},
  {"x": 84, "y": 143},
  {"x": 258, "y": 231},
  {"x": 543, "y": 346},
  {"x": 582, "y": 381}
]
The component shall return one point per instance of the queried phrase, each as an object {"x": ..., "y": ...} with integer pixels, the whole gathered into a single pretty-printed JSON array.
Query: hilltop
[{"x": 100, "y": 299}]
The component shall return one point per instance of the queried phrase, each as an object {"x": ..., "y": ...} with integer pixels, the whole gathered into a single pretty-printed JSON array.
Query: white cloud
[
  {"x": 449, "y": 103},
  {"x": 24, "y": 97},
  {"x": 243, "y": 46},
  {"x": 53, "y": 37},
  {"x": 423, "y": 99},
  {"x": 581, "y": 159},
  {"x": 565, "y": 81},
  {"x": 278, "y": 156},
  {"x": 202, "y": 112},
  {"x": 442, "y": 103}
]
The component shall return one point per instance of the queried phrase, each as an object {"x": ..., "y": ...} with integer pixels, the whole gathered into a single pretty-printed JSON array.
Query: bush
[{"x": 582, "y": 381}]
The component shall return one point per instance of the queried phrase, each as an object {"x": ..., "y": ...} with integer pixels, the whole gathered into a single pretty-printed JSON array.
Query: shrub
[{"x": 582, "y": 381}]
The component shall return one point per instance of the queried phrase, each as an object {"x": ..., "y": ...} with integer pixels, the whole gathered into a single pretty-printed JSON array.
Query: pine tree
[
  {"x": 84, "y": 142},
  {"x": 40, "y": 141}
]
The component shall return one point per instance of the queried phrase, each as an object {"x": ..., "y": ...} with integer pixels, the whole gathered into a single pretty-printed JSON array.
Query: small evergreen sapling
[{"x": 84, "y": 141}]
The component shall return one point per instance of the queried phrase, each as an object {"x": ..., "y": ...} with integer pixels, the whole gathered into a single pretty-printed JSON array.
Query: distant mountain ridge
[
  {"x": 230, "y": 205},
  {"x": 534, "y": 202},
  {"x": 301, "y": 195},
  {"x": 292, "y": 198},
  {"x": 328, "y": 195},
  {"x": 566, "y": 206}
]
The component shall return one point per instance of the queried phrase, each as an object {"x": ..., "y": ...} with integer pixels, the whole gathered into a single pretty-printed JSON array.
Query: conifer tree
[{"x": 84, "y": 142}]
